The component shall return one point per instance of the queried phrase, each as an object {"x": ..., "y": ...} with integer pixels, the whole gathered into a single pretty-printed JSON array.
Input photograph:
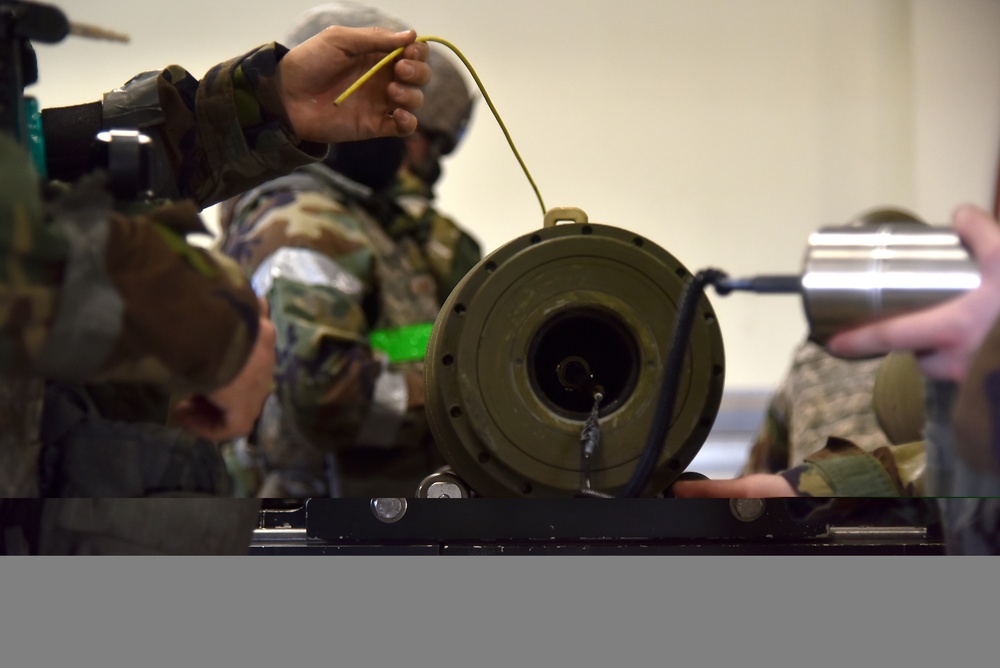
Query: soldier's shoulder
[{"x": 301, "y": 200}]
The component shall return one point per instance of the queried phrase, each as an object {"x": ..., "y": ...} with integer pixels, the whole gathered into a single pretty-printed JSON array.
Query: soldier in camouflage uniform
[
  {"x": 88, "y": 293},
  {"x": 353, "y": 266}
]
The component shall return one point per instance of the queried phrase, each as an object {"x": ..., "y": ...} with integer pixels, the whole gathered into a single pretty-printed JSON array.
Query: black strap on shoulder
[{"x": 71, "y": 140}]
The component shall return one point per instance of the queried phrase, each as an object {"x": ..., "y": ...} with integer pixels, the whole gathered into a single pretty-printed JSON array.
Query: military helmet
[
  {"x": 885, "y": 214},
  {"x": 341, "y": 13},
  {"x": 447, "y": 104}
]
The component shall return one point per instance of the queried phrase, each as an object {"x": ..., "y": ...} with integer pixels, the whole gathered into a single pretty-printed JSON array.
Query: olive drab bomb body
[{"x": 539, "y": 326}]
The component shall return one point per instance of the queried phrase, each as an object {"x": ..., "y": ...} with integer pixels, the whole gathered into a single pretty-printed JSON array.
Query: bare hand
[
  {"x": 231, "y": 411},
  {"x": 315, "y": 72},
  {"x": 756, "y": 486},
  {"x": 943, "y": 337}
]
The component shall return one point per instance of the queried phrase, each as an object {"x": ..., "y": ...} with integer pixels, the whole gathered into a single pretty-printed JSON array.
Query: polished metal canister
[{"x": 854, "y": 275}]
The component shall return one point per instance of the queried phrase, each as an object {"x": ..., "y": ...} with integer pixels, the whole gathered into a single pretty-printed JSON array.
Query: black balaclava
[{"x": 371, "y": 162}]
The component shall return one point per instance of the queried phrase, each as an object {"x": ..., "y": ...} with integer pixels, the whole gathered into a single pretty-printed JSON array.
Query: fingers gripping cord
[{"x": 395, "y": 54}]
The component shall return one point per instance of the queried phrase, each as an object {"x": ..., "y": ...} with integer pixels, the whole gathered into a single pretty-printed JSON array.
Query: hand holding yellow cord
[
  {"x": 312, "y": 74},
  {"x": 396, "y": 53}
]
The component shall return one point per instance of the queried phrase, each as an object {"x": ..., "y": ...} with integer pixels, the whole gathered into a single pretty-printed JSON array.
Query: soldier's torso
[{"x": 826, "y": 396}]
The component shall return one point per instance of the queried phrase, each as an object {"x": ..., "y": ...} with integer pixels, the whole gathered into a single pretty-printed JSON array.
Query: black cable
[
  {"x": 692, "y": 294},
  {"x": 590, "y": 438}
]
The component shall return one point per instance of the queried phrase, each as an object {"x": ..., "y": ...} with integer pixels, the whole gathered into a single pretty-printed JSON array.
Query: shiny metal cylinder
[{"x": 858, "y": 274}]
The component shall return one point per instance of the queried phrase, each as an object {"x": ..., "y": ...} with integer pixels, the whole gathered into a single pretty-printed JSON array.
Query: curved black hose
[{"x": 692, "y": 294}]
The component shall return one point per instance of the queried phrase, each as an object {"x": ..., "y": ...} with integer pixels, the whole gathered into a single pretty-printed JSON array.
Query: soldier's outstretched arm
[
  {"x": 91, "y": 294},
  {"x": 754, "y": 486},
  {"x": 251, "y": 118},
  {"x": 841, "y": 469},
  {"x": 286, "y": 114}
]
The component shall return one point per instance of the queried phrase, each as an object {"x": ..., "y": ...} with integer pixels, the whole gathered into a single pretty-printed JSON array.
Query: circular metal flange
[{"x": 567, "y": 297}]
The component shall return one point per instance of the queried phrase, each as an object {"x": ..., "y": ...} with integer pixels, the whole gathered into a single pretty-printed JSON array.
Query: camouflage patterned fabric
[
  {"x": 215, "y": 154},
  {"x": 821, "y": 433},
  {"x": 349, "y": 275},
  {"x": 449, "y": 252},
  {"x": 20, "y": 398},
  {"x": 842, "y": 468},
  {"x": 88, "y": 293}
]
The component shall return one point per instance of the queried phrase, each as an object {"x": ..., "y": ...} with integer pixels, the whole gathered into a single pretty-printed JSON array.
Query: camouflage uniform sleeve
[
  {"x": 327, "y": 376},
  {"x": 221, "y": 135},
  {"x": 842, "y": 469},
  {"x": 87, "y": 293},
  {"x": 314, "y": 263}
]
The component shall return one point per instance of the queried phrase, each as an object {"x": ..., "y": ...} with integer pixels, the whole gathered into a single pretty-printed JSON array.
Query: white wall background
[{"x": 724, "y": 130}]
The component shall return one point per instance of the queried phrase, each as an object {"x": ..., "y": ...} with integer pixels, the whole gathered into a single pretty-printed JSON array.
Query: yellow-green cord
[{"x": 392, "y": 56}]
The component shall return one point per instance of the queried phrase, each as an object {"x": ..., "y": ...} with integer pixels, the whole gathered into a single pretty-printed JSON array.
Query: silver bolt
[
  {"x": 388, "y": 510},
  {"x": 746, "y": 510},
  {"x": 442, "y": 485},
  {"x": 444, "y": 490}
]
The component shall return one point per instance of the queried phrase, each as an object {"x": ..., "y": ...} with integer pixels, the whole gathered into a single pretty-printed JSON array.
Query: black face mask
[
  {"x": 429, "y": 171},
  {"x": 429, "y": 168},
  {"x": 372, "y": 162}
]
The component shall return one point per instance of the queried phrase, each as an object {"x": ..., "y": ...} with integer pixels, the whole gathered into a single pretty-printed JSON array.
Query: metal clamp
[{"x": 565, "y": 213}]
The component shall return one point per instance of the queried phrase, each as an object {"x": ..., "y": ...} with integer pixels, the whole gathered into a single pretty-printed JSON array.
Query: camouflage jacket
[
  {"x": 822, "y": 435},
  {"x": 843, "y": 469},
  {"x": 90, "y": 293},
  {"x": 334, "y": 276}
]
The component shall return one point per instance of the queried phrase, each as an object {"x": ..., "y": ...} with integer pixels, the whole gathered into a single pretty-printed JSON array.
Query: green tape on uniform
[{"x": 403, "y": 344}]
